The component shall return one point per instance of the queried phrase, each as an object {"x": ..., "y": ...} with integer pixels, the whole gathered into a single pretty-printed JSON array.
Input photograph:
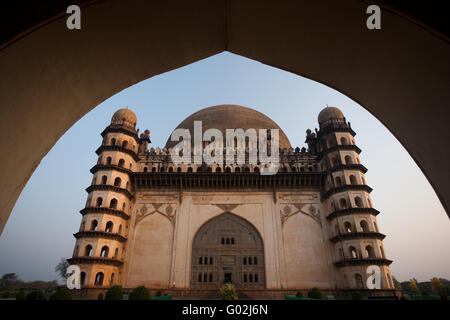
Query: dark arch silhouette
[{"x": 336, "y": 41}]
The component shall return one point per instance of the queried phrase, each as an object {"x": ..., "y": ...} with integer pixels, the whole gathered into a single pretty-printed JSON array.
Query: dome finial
[
  {"x": 125, "y": 117},
  {"x": 330, "y": 113}
]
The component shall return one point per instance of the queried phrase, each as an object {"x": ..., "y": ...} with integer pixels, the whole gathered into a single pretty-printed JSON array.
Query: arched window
[
  {"x": 245, "y": 277},
  {"x": 111, "y": 281},
  {"x": 359, "y": 281},
  {"x": 117, "y": 182},
  {"x": 189, "y": 170},
  {"x": 116, "y": 253},
  {"x": 82, "y": 278},
  {"x": 113, "y": 204},
  {"x": 124, "y": 144},
  {"x": 145, "y": 169},
  {"x": 293, "y": 169},
  {"x": 256, "y": 169},
  {"x": 120, "y": 229},
  {"x": 94, "y": 225},
  {"x": 123, "y": 206},
  {"x": 353, "y": 179},
  {"x": 99, "y": 279},
  {"x": 200, "y": 260},
  {"x": 370, "y": 252},
  {"x": 210, "y": 277},
  {"x": 228, "y": 241},
  {"x": 153, "y": 169},
  {"x": 210, "y": 260},
  {"x": 237, "y": 169},
  {"x": 255, "y": 260},
  {"x": 99, "y": 201},
  {"x": 88, "y": 250},
  {"x": 334, "y": 162},
  {"x": 170, "y": 169},
  {"x": 353, "y": 253},
  {"x": 358, "y": 202},
  {"x": 199, "y": 169},
  {"x": 348, "y": 159},
  {"x": 104, "y": 252},
  {"x": 338, "y": 181},
  {"x": 161, "y": 169},
  {"x": 218, "y": 169},
  {"x": 256, "y": 277},
  {"x": 113, "y": 141},
  {"x": 343, "y": 203},
  {"x": 179, "y": 169},
  {"x": 343, "y": 141},
  {"x": 121, "y": 163},
  {"x": 104, "y": 179},
  {"x": 108, "y": 161},
  {"x": 364, "y": 226},
  {"x": 250, "y": 278},
  {"x": 199, "y": 277},
  {"x": 348, "y": 227},
  {"x": 247, "y": 169},
  {"x": 245, "y": 260},
  {"x": 109, "y": 226},
  {"x": 205, "y": 277},
  {"x": 302, "y": 169},
  {"x": 228, "y": 170}
]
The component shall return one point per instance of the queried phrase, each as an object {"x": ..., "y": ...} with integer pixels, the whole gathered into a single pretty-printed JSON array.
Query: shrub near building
[
  {"x": 114, "y": 293},
  {"x": 140, "y": 293}
]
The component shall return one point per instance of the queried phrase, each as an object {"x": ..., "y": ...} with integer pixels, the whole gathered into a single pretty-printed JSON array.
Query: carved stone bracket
[
  {"x": 310, "y": 211},
  {"x": 226, "y": 207},
  {"x": 169, "y": 212}
]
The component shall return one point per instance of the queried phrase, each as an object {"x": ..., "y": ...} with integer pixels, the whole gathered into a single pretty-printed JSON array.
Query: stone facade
[{"x": 189, "y": 228}]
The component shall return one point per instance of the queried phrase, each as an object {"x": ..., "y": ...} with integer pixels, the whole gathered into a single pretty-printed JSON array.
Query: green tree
[
  {"x": 61, "y": 293},
  {"x": 140, "y": 293},
  {"x": 228, "y": 292},
  {"x": 10, "y": 281},
  {"x": 61, "y": 268},
  {"x": 315, "y": 293},
  {"x": 356, "y": 295},
  {"x": 114, "y": 293},
  {"x": 299, "y": 294},
  {"x": 436, "y": 285},
  {"x": 413, "y": 286},
  {"x": 101, "y": 296},
  {"x": 36, "y": 295},
  {"x": 20, "y": 295}
]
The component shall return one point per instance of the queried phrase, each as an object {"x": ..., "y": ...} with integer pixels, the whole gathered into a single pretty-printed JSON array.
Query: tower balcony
[
  {"x": 355, "y": 166},
  {"x": 95, "y": 260},
  {"x": 333, "y": 126},
  {"x": 346, "y": 187},
  {"x": 350, "y": 211},
  {"x": 337, "y": 147},
  {"x": 105, "y": 210},
  {"x": 117, "y": 148},
  {"x": 100, "y": 234},
  {"x": 358, "y": 235},
  {"x": 99, "y": 167},
  {"x": 107, "y": 187},
  {"x": 121, "y": 129},
  {"x": 362, "y": 262}
]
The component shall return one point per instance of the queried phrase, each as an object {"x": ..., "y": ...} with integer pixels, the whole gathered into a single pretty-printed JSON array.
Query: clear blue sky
[{"x": 40, "y": 229}]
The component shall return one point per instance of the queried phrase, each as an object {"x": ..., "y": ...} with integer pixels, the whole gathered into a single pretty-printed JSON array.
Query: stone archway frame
[{"x": 51, "y": 77}]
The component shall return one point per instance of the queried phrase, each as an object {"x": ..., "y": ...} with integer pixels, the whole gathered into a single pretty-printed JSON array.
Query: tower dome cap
[
  {"x": 124, "y": 116},
  {"x": 330, "y": 113}
]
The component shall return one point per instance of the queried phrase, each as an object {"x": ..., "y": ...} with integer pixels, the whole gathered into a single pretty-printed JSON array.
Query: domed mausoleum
[{"x": 188, "y": 228}]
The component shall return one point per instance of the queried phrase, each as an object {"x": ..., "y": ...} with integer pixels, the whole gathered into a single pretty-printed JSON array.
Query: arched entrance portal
[{"x": 228, "y": 249}]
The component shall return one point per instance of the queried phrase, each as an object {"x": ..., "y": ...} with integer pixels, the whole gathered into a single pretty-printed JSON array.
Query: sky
[{"x": 40, "y": 229}]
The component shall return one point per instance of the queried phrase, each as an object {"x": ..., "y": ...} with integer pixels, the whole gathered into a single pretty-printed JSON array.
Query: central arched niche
[{"x": 228, "y": 248}]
